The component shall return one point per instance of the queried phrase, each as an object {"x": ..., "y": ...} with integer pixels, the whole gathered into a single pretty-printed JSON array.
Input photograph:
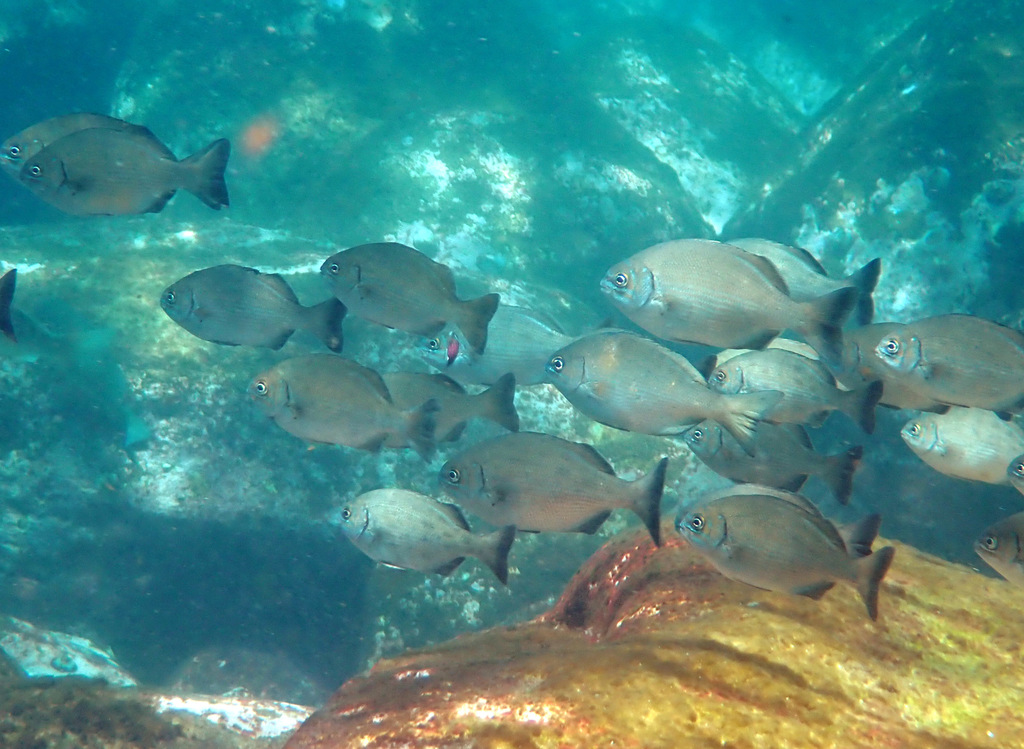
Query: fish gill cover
[{"x": 147, "y": 503}]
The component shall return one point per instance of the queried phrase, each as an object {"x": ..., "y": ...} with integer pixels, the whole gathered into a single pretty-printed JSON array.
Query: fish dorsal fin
[
  {"x": 797, "y": 500},
  {"x": 375, "y": 381},
  {"x": 801, "y": 436},
  {"x": 766, "y": 268},
  {"x": 453, "y": 513},
  {"x": 276, "y": 282},
  {"x": 144, "y": 133},
  {"x": 590, "y": 455},
  {"x": 806, "y": 258}
]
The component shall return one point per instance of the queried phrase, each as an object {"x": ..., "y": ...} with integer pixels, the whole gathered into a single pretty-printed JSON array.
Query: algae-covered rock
[{"x": 651, "y": 648}]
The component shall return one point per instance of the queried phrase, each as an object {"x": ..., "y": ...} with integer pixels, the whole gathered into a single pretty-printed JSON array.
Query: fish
[
  {"x": 960, "y": 360},
  {"x": 412, "y": 531},
  {"x": 775, "y": 543},
  {"x": 7, "y": 284},
  {"x": 540, "y": 483},
  {"x": 239, "y": 306},
  {"x": 455, "y": 405},
  {"x": 703, "y": 291},
  {"x": 104, "y": 171},
  {"x": 1015, "y": 473},
  {"x": 329, "y": 399},
  {"x": 33, "y": 139},
  {"x": 519, "y": 341},
  {"x": 397, "y": 286},
  {"x": 806, "y": 279},
  {"x": 630, "y": 382},
  {"x": 783, "y": 457},
  {"x": 861, "y": 366},
  {"x": 1001, "y": 546},
  {"x": 809, "y": 389},
  {"x": 967, "y": 443}
]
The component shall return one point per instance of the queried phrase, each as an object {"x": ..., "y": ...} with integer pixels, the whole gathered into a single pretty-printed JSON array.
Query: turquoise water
[{"x": 146, "y": 505}]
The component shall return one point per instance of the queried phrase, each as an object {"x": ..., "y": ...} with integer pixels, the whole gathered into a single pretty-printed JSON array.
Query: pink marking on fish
[{"x": 453, "y": 349}]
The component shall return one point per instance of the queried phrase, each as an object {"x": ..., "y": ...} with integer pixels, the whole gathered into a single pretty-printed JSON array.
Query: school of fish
[{"x": 744, "y": 412}]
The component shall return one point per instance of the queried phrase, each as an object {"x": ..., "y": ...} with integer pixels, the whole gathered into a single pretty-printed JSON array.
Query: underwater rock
[{"x": 651, "y": 647}]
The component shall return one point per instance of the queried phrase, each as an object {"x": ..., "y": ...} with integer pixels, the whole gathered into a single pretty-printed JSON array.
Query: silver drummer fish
[
  {"x": 967, "y": 443},
  {"x": 1002, "y": 547}
]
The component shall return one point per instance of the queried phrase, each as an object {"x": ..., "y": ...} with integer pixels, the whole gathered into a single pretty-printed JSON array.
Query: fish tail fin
[
  {"x": 860, "y": 404},
  {"x": 865, "y": 280},
  {"x": 746, "y": 410},
  {"x": 494, "y": 551},
  {"x": 208, "y": 168},
  {"x": 838, "y": 474},
  {"x": 859, "y": 536},
  {"x": 419, "y": 427},
  {"x": 6, "y": 299},
  {"x": 324, "y": 321},
  {"x": 474, "y": 317},
  {"x": 647, "y": 503},
  {"x": 870, "y": 571},
  {"x": 823, "y": 323},
  {"x": 497, "y": 403}
]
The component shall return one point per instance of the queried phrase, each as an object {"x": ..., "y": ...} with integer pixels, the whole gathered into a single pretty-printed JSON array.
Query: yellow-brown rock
[{"x": 652, "y": 648}]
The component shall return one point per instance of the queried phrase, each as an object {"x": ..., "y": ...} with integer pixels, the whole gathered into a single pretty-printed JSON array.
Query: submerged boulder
[{"x": 651, "y": 647}]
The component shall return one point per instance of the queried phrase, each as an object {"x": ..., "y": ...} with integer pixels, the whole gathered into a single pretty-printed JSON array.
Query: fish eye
[
  {"x": 169, "y": 297},
  {"x": 991, "y": 543},
  {"x": 915, "y": 430},
  {"x": 346, "y": 514},
  {"x": 697, "y": 435},
  {"x": 1018, "y": 469},
  {"x": 891, "y": 346},
  {"x": 35, "y": 170},
  {"x": 333, "y": 268},
  {"x": 434, "y": 344},
  {"x": 621, "y": 280},
  {"x": 696, "y": 523},
  {"x": 260, "y": 387},
  {"x": 453, "y": 476},
  {"x": 14, "y": 151},
  {"x": 719, "y": 375},
  {"x": 557, "y": 364}
]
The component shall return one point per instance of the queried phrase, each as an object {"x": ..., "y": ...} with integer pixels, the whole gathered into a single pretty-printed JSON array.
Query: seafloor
[{"x": 146, "y": 505}]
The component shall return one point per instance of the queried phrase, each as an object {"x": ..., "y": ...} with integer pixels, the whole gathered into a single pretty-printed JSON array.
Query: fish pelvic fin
[
  {"x": 497, "y": 403},
  {"x": 420, "y": 423},
  {"x": 746, "y": 409},
  {"x": 494, "y": 551},
  {"x": 206, "y": 170},
  {"x": 324, "y": 321},
  {"x": 838, "y": 473},
  {"x": 647, "y": 504},
  {"x": 7, "y": 283},
  {"x": 474, "y": 317},
  {"x": 865, "y": 280},
  {"x": 870, "y": 571},
  {"x": 823, "y": 323},
  {"x": 860, "y": 404}
]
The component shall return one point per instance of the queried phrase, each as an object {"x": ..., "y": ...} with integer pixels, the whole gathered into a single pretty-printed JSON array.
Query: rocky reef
[{"x": 651, "y": 648}]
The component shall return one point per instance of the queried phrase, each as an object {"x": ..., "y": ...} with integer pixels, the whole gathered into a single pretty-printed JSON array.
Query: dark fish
[
  {"x": 630, "y": 382},
  {"x": 809, "y": 390},
  {"x": 412, "y": 531},
  {"x": 1002, "y": 547},
  {"x": 518, "y": 341},
  {"x": 7, "y": 282},
  {"x": 783, "y": 457},
  {"x": 702, "y": 291},
  {"x": 394, "y": 285},
  {"x": 538, "y": 482},
  {"x": 968, "y": 443},
  {"x": 240, "y": 306},
  {"x": 325, "y": 398},
  {"x": 1016, "y": 473},
  {"x": 806, "y": 278},
  {"x": 115, "y": 172},
  {"x": 775, "y": 543},
  {"x": 30, "y": 141},
  {"x": 961, "y": 360},
  {"x": 455, "y": 405}
]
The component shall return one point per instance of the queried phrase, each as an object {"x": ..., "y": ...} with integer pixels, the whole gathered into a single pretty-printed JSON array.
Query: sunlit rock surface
[{"x": 653, "y": 649}]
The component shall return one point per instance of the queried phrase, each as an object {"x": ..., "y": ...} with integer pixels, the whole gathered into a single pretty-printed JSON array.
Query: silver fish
[
  {"x": 33, "y": 139},
  {"x": 239, "y": 306},
  {"x": 103, "y": 171},
  {"x": 702, "y": 291},
  {"x": 412, "y": 531},
  {"x": 325, "y": 398},
  {"x": 538, "y": 482},
  {"x": 7, "y": 283},
  {"x": 630, "y": 382},
  {"x": 967, "y": 443},
  {"x": 518, "y": 341},
  {"x": 960, "y": 360},
  {"x": 455, "y": 406},
  {"x": 1015, "y": 473},
  {"x": 397, "y": 286},
  {"x": 774, "y": 543},
  {"x": 783, "y": 457},
  {"x": 809, "y": 390},
  {"x": 807, "y": 279},
  {"x": 1002, "y": 547}
]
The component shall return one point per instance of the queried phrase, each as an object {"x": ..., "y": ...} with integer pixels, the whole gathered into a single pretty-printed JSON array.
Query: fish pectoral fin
[
  {"x": 201, "y": 313},
  {"x": 815, "y": 591},
  {"x": 939, "y": 448}
]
